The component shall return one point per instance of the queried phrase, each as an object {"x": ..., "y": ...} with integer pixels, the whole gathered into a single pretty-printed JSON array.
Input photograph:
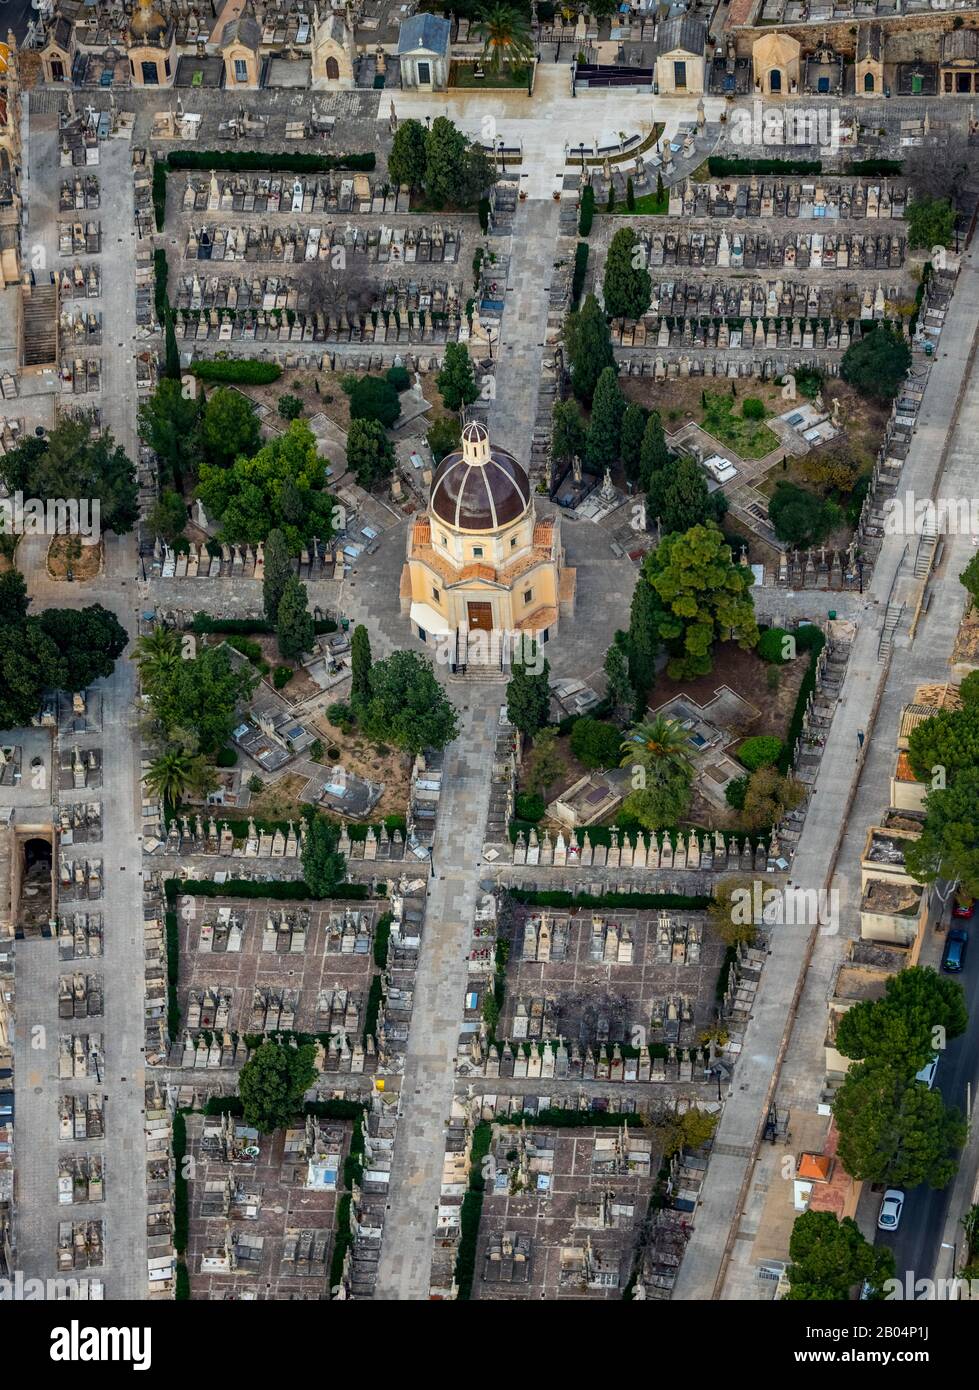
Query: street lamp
[
  {"x": 581, "y": 151},
  {"x": 502, "y": 149}
]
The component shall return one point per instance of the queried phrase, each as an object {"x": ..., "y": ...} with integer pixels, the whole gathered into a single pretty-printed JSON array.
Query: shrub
[
  {"x": 339, "y": 713},
  {"x": 771, "y": 645},
  {"x": 290, "y": 407},
  {"x": 242, "y": 370},
  {"x": 484, "y": 214},
  {"x": 251, "y": 650},
  {"x": 735, "y": 792},
  {"x": 530, "y": 806},
  {"x": 761, "y": 751},
  {"x": 281, "y": 676},
  {"x": 596, "y": 744},
  {"x": 227, "y": 757},
  {"x": 374, "y": 398},
  {"x": 398, "y": 378},
  {"x": 580, "y": 268},
  {"x": 753, "y": 408}
]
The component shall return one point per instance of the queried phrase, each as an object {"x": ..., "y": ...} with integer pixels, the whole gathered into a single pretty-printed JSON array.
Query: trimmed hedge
[
  {"x": 586, "y": 215},
  {"x": 382, "y": 940},
  {"x": 172, "y": 927},
  {"x": 181, "y": 1204},
  {"x": 159, "y": 193},
  {"x": 472, "y": 1210},
  {"x": 291, "y": 162},
  {"x": 161, "y": 275},
  {"x": 554, "y": 1118},
  {"x": 288, "y": 890},
  {"x": 231, "y": 370},
  {"x": 580, "y": 267},
  {"x": 813, "y": 640},
  {"x": 890, "y": 167},
  {"x": 561, "y": 898},
  {"x": 720, "y": 164}
]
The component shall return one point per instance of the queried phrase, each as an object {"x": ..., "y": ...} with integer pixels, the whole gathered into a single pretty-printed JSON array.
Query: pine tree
[
  {"x": 642, "y": 642},
  {"x": 630, "y": 439},
  {"x": 630, "y": 195},
  {"x": 589, "y": 348},
  {"x": 528, "y": 698},
  {"x": 295, "y": 630},
  {"x": 360, "y": 665},
  {"x": 627, "y": 286},
  {"x": 619, "y": 688},
  {"x": 602, "y": 444},
  {"x": 278, "y": 569},
  {"x": 653, "y": 454}
]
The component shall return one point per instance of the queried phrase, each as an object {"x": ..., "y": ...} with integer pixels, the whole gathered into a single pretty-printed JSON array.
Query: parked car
[
  {"x": 891, "y": 1207},
  {"x": 963, "y": 907},
  {"x": 953, "y": 958},
  {"x": 927, "y": 1072}
]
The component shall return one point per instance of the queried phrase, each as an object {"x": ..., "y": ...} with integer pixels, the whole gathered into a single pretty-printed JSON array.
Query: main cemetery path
[{"x": 436, "y": 1016}]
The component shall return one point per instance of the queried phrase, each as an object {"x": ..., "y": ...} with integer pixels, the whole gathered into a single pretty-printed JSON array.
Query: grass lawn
[
  {"x": 464, "y": 75},
  {"x": 752, "y": 439},
  {"x": 649, "y": 205}
]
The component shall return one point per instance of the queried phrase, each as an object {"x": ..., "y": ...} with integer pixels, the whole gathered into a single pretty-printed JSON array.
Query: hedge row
[
  {"x": 172, "y": 927},
  {"x": 320, "y": 1109},
  {"x": 719, "y": 165},
  {"x": 181, "y": 1203},
  {"x": 289, "y": 162},
  {"x": 554, "y": 1118},
  {"x": 580, "y": 267},
  {"x": 382, "y": 940},
  {"x": 282, "y": 890},
  {"x": 472, "y": 1210},
  {"x": 161, "y": 275},
  {"x": 159, "y": 193},
  {"x": 892, "y": 168},
  {"x": 556, "y": 897},
  {"x": 811, "y": 639},
  {"x": 240, "y": 370}
]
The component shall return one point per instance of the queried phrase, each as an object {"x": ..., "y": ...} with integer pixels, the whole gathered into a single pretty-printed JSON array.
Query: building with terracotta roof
[{"x": 480, "y": 560}]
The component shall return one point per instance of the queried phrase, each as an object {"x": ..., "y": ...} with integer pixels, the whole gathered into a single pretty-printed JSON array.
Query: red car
[{"x": 962, "y": 907}]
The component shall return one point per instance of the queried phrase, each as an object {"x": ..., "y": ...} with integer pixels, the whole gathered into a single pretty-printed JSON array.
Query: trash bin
[
  {"x": 345, "y": 624},
  {"x": 831, "y": 613}
]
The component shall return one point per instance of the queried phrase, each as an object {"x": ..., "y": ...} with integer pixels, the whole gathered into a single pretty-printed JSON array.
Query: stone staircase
[
  {"x": 925, "y": 554},
  {"x": 40, "y": 327}
]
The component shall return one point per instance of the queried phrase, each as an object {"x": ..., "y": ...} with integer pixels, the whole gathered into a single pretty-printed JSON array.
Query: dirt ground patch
[
  {"x": 85, "y": 560},
  {"x": 374, "y": 762},
  {"x": 331, "y": 398},
  {"x": 681, "y": 400},
  {"x": 280, "y": 800},
  {"x": 745, "y": 674}
]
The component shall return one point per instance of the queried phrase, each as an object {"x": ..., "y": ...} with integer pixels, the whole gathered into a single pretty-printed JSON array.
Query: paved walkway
[
  {"x": 124, "y": 1271},
  {"x": 428, "y": 1083},
  {"x": 769, "y": 1032}
]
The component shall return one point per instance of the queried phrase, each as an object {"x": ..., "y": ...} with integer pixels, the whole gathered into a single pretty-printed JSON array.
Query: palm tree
[
  {"x": 658, "y": 744},
  {"x": 156, "y": 654},
  {"x": 506, "y": 36},
  {"x": 178, "y": 771},
  {"x": 170, "y": 775}
]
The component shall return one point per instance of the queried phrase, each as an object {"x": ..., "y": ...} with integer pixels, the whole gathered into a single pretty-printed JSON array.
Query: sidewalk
[{"x": 791, "y": 1003}]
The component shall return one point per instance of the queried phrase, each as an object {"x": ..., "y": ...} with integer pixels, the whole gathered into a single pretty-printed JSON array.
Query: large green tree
[
  {"x": 294, "y": 629},
  {"x": 528, "y": 698},
  {"x": 653, "y": 452},
  {"x": 829, "y": 1257},
  {"x": 630, "y": 439},
  {"x": 567, "y": 432},
  {"x": 948, "y": 846},
  {"x": 655, "y": 743},
  {"x": 229, "y": 427},
  {"x": 456, "y": 170},
  {"x": 618, "y": 689},
  {"x": 88, "y": 639},
  {"x": 627, "y": 287},
  {"x": 170, "y": 423},
  {"x": 589, "y": 347},
  {"x": 282, "y": 486},
  {"x": 370, "y": 453},
  {"x": 278, "y": 570},
  {"x": 200, "y": 695},
  {"x": 456, "y": 380},
  {"x": 168, "y": 517},
  {"x": 608, "y": 406},
  {"x": 175, "y": 772},
  {"x": 944, "y": 745},
  {"x": 408, "y": 706},
  {"x": 799, "y": 517},
  {"x": 919, "y": 1013},
  {"x": 408, "y": 159},
  {"x": 30, "y": 663},
  {"x": 642, "y": 640},
  {"x": 895, "y": 1131},
  {"x": 69, "y": 464},
  {"x": 360, "y": 667},
  {"x": 663, "y": 801},
  {"x": 701, "y": 597},
  {"x": 272, "y": 1083},
  {"x": 324, "y": 867},
  {"x": 678, "y": 496},
  {"x": 877, "y": 363}
]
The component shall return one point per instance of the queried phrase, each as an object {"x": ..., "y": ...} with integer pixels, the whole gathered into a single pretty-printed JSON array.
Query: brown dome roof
[{"x": 479, "y": 488}]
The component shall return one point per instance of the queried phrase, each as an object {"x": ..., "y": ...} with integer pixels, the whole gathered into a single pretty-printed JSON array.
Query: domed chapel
[{"x": 480, "y": 558}]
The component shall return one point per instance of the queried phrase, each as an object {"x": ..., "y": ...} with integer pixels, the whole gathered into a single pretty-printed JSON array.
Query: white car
[
  {"x": 891, "y": 1207},
  {"x": 927, "y": 1072}
]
